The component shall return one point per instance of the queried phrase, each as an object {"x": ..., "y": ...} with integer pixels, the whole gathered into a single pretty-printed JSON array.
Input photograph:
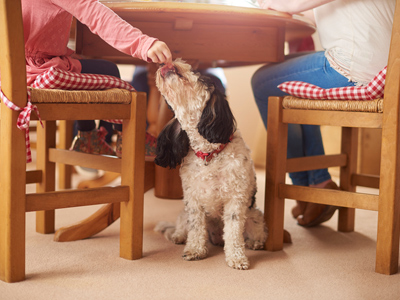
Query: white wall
[{"x": 241, "y": 100}]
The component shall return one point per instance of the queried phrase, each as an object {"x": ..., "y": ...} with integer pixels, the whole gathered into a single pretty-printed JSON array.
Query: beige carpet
[{"x": 320, "y": 264}]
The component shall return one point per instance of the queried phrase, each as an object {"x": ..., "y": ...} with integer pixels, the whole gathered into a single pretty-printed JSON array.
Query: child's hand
[{"x": 160, "y": 53}]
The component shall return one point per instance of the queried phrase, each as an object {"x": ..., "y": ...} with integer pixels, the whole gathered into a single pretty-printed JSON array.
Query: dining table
[{"x": 206, "y": 35}]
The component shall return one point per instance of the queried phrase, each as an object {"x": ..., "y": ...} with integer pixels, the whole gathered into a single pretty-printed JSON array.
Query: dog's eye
[{"x": 162, "y": 65}]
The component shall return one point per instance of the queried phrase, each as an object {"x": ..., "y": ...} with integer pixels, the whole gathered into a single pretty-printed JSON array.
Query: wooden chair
[
  {"x": 14, "y": 202},
  {"x": 350, "y": 115}
]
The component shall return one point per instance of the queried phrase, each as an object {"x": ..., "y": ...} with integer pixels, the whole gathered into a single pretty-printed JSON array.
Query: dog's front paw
[
  {"x": 195, "y": 254},
  {"x": 239, "y": 263}
]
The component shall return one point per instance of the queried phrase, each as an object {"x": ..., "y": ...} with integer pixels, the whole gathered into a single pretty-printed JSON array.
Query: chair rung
[
  {"x": 33, "y": 176},
  {"x": 315, "y": 162},
  {"x": 338, "y": 118},
  {"x": 365, "y": 180},
  {"x": 62, "y": 111},
  {"x": 73, "y": 198},
  {"x": 93, "y": 161},
  {"x": 330, "y": 197}
]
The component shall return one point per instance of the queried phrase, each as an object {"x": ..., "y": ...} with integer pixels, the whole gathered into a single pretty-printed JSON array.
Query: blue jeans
[{"x": 303, "y": 140}]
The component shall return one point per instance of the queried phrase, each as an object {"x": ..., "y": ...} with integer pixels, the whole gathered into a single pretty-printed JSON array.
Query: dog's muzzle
[{"x": 167, "y": 69}]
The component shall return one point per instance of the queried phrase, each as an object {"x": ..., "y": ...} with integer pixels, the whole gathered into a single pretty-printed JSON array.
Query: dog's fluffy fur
[{"x": 219, "y": 196}]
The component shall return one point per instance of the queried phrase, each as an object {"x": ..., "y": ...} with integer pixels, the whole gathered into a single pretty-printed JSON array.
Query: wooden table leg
[
  {"x": 153, "y": 101},
  {"x": 102, "y": 218},
  {"x": 99, "y": 181},
  {"x": 88, "y": 227}
]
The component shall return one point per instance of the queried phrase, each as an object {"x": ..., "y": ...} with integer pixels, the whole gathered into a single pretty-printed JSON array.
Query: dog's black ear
[
  {"x": 217, "y": 122},
  {"x": 172, "y": 145}
]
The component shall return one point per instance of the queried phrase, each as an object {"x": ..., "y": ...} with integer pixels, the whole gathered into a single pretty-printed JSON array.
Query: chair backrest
[
  {"x": 12, "y": 52},
  {"x": 392, "y": 83}
]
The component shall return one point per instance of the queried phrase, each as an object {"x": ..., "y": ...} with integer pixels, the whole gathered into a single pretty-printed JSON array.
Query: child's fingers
[
  {"x": 160, "y": 53},
  {"x": 160, "y": 57}
]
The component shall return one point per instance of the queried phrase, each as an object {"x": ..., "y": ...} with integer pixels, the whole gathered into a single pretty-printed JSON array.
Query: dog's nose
[{"x": 167, "y": 69}]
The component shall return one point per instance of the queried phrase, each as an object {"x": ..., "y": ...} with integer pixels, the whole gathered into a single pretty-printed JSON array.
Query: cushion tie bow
[{"x": 23, "y": 119}]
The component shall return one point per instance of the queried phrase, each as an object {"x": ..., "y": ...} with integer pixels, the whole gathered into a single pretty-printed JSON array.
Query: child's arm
[{"x": 115, "y": 31}]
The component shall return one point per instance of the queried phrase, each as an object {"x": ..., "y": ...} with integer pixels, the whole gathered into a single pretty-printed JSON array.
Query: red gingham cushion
[
  {"x": 373, "y": 90},
  {"x": 58, "y": 79}
]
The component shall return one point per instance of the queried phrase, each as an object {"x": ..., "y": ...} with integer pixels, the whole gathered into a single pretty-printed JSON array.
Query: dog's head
[
  {"x": 197, "y": 104},
  {"x": 181, "y": 87}
]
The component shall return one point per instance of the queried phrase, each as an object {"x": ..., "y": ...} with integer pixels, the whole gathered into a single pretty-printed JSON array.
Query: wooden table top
[{"x": 212, "y": 34}]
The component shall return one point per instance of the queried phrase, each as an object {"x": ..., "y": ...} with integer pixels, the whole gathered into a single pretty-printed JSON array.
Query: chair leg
[
  {"x": 350, "y": 147},
  {"x": 65, "y": 134},
  {"x": 46, "y": 138},
  {"x": 132, "y": 175},
  {"x": 275, "y": 175},
  {"x": 12, "y": 201},
  {"x": 387, "y": 248}
]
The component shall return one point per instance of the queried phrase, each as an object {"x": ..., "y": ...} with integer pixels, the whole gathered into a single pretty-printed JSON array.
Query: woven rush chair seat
[
  {"x": 114, "y": 95},
  {"x": 374, "y": 106}
]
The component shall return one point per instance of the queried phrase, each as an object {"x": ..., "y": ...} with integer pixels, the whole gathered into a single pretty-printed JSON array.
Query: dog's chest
[
  {"x": 217, "y": 182},
  {"x": 211, "y": 176}
]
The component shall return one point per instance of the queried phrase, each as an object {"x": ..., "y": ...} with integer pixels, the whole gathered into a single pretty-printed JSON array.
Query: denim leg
[
  {"x": 303, "y": 140},
  {"x": 139, "y": 79},
  {"x": 313, "y": 145},
  {"x": 296, "y": 148}
]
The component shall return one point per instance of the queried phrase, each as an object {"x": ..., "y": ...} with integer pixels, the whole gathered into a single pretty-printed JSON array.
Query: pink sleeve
[{"x": 109, "y": 26}]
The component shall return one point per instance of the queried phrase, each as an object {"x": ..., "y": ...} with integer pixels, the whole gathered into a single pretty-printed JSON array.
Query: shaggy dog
[{"x": 217, "y": 172}]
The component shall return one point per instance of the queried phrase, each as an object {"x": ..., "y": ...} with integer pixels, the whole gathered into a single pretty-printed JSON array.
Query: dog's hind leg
[
  {"x": 234, "y": 221},
  {"x": 176, "y": 233},
  {"x": 196, "y": 247},
  {"x": 255, "y": 233},
  {"x": 179, "y": 235}
]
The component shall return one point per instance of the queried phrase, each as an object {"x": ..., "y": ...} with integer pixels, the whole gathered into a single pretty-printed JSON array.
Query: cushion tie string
[{"x": 23, "y": 119}]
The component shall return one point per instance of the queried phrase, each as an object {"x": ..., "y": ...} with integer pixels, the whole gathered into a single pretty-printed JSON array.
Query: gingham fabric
[
  {"x": 58, "y": 79},
  {"x": 23, "y": 120},
  {"x": 373, "y": 90}
]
